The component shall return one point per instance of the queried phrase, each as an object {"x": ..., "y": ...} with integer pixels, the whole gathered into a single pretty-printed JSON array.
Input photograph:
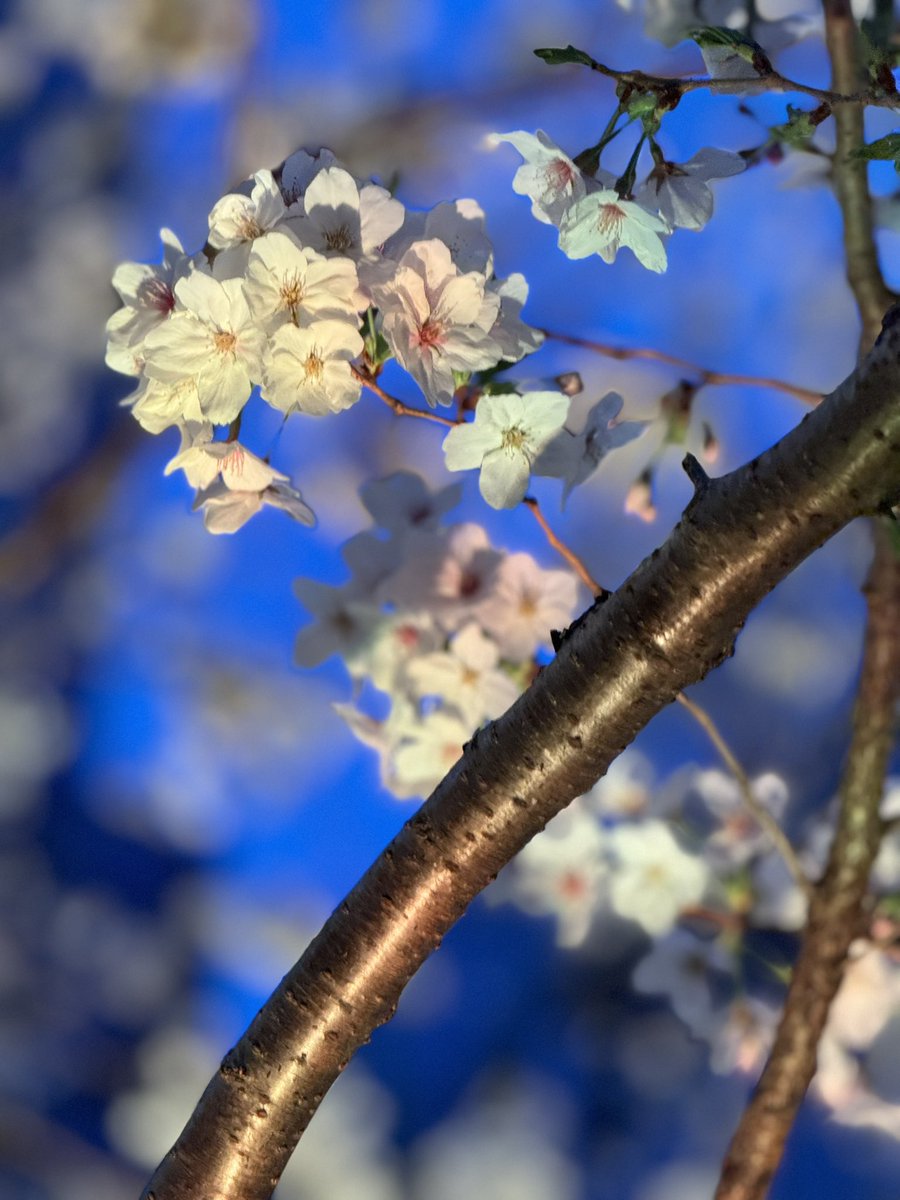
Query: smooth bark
[{"x": 673, "y": 620}]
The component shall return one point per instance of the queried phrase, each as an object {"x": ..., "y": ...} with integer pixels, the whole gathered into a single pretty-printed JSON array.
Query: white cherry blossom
[
  {"x": 563, "y": 872},
  {"x": 452, "y": 573},
  {"x": 240, "y": 469},
  {"x": 427, "y": 751},
  {"x": 346, "y": 624},
  {"x": 573, "y": 457},
  {"x": 525, "y": 603},
  {"x": 507, "y": 436},
  {"x": 147, "y": 293},
  {"x": 459, "y": 224},
  {"x": 437, "y": 320},
  {"x": 679, "y": 191},
  {"x": 679, "y": 966},
  {"x": 654, "y": 878},
  {"x": 289, "y": 283},
  {"x": 342, "y": 218},
  {"x": 514, "y": 338},
  {"x": 602, "y": 222},
  {"x": 309, "y": 370},
  {"x": 227, "y": 508},
  {"x": 465, "y": 676},
  {"x": 300, "y": 169},
  {"x": 212, "y": 338},
  {"x": 548, "y": 176},
  {"x": 157, "y": 406},
  {"x": 403, "y": 501},
  {"x": 238, "y": 219}
]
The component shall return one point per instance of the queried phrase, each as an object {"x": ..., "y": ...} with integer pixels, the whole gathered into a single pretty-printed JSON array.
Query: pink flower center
[
  {"x": 559, "y": 175},
  {"x": 572, "y": 885},
  {"x": 611, "y": 219},
  {"x": 429, "y": 335},
  {"x": 157, "y": 294}
]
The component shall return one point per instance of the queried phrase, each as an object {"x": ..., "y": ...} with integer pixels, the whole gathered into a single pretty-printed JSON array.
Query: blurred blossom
[
  {"x": 626, "y": 790},
  {"x": 680, "y": 966},
  {"x": 344, "y": 1155},
  {"x": 653, "y": 877},
  {"x": 741, "y": 1036},
  {"x": 562, "y": 872},
  {"x": 36, "y": 740},
  {"x": 738, "y": 838},
  {"x": 810, "y": 664},
  {"x": 250, "y": 940},
  {"x": 131, "y": 46},
  {"x": 509, "y": 1145},
  {"x": 680, "y": 1181},
  {"x": 657, "y": 1056},
  {"x": 44, "y": 380}
]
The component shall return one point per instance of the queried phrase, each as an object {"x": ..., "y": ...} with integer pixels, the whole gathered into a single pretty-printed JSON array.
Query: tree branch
[
  {"x": 837, "y": 911},
  {"x": 851, "y": 175},
  {"x": 673, "y": 620}
]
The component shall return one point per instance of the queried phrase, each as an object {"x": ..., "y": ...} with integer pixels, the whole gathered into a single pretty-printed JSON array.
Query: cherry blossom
[
  {"x": 438, "y": 320},
  {"x": 573, "y": 457},
  {"x": 212, "y": 338},
  {"x": 240, "y": 469},
  {"x": 525, "y": 603},
  {"x": 227, "y": 508},
  {"x": 466, "y": 677},
  {"x": 308, "y": 370},
  {"x": 548, "y": 176},
  {"x": 602, "y": 222},
  {"x": 679, "y": 191},
  {"x": 148, "y": 296},
  {"x": 563, "y": 872},
  {"x": 341, "y": 218},
  {"x": 238, "y": 219},
  {"x": 287, "y": 282},
  {"x": 507, "y": 436},
  {"x": 679, "y": 966},
  {"x": 403, "y": 501},
  {"x": 654, "y": 878}
]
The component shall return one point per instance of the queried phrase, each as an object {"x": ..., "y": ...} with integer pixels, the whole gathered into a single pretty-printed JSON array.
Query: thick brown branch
[
  {"x": 837, "y": 912},
  {"x": 673, "y": 620}
]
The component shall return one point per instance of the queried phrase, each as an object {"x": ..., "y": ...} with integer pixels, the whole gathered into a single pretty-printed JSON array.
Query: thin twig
[
  {"x": 562, "y": 549},
  {"x": 706, "y": 376},
  {"x": 760, "y": 813},
  {"x": 401, "y": 409},
  {"x": 769, "y": 81}
]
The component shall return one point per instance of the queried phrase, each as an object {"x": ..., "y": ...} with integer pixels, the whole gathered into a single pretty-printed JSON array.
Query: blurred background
[{"x": 180, "y": 807}]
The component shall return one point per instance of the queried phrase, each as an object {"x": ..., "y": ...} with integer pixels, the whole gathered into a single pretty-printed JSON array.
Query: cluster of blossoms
[
  {"x": 309, "y": 282},
  {"x": 595, "y": 213},
  {"x": 707, "y": 898},
  {"x": 448, "y": 626}
]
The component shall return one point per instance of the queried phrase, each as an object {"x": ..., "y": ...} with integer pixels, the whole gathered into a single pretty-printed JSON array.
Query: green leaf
[
  {"x": 376, "y": 348},
  {"x": 883, "y": 148},
  {"x": 556, "y": 57}
]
